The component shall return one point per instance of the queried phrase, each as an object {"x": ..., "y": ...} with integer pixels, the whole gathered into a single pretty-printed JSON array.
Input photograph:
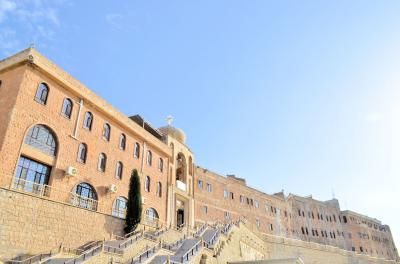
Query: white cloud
[
  {"x": 6, "y": 6},
  {"x": 32, "y": 21}
]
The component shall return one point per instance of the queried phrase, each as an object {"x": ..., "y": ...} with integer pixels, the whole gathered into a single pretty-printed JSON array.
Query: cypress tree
[{"x": 134, "y": 206}]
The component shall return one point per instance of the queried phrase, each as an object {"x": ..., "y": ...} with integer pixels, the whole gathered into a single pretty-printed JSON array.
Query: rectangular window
[
  {"x": 205, "y": 209},
  {"x": 227, "y": 215},
  {"x": 225, "y": 194},
  {"x": 256, "y": 204},
  {"x": 271, "y": 227},
  {"x": 31, "y": 176},
  {"x": 209, "y": 189},
  {"x": 200, "y": 184},
  {"x": 232, "y": 197}
]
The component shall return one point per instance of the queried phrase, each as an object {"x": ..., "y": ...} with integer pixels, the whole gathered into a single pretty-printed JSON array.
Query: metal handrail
[
  {"x": 130, "y": 241},
  {"x": 200, "y": 230},
  {"x": 211, "y": 242},
  {"x": 89, "y": 253},
  {"x": 174, "y": 244},
  {"x": 145, "y": 254},
  {"x": 190, "y": 251},
  {"x": 45, "y": 190},
  {"x": 33, "y": 259}
]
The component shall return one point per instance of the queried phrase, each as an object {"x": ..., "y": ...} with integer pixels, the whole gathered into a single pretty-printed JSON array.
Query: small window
[
  {"x": 122, "y": 141},
  {"x": 256, "y": 204},
  {"x": 209, "y": 188},
  {"x": 149, "y": 157},
  {"x": 136, "y": 151},
  {"x": 160, "y": 164},
  {"x": 227, "y": 215},
  {"x": 102, "y": 162},
  {"x": 271, "y": 227},
  {"x": 205, "y": 209},
  {"x": 67, "y": 108},
  {"x": 87, "y": 122},
  {"x": 106, "y": 132},
  {"x": 258, "y": 223},
  {"x": 200, "y": 184},
  {"x": 241, "y": 198},
  {"x": 344, "y": 219},
  {"x": 232, "y": 196},
  {"x": 82, "y": 153},
  {"x": 119, "y": 170},
  {"x": 147, "y": 184},
  {"x": 41, "y": 93},
  {"x": 159, "y": 189},
  {"x": 226, "y": 194}
]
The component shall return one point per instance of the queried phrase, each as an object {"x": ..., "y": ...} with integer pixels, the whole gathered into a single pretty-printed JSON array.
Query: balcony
[
  {"x": 52, "y": 193},
  {"x": 181, "y": 185}
]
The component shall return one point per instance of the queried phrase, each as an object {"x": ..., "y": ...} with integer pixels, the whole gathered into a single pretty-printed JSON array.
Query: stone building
[{"x": 74, "y": 152}]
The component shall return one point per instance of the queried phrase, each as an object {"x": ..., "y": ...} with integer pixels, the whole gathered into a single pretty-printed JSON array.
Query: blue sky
[{"x": 295, "y": 95}]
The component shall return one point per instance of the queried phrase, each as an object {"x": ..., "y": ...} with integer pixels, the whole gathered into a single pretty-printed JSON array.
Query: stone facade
[{"x": 175, "y": 191}]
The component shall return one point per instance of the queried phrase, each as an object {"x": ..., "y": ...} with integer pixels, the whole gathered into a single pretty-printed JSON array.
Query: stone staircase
[{"x": 157, "y": 247}]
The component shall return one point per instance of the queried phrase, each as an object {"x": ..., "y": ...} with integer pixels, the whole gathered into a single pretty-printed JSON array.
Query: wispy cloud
[
  {"x": 23, "y": 22},
  {"x": 6, "y": 6},
  {"x": 115, "y": 20}
]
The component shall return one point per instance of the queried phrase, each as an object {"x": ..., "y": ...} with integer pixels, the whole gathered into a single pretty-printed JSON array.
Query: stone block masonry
[{"x": 38, "y": 224}]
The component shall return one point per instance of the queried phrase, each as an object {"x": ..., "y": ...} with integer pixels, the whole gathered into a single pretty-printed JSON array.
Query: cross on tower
[{"x": 169, "y": 119}]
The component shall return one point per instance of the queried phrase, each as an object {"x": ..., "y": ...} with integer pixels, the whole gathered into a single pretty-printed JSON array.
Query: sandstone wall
[{"x": 38, "y": 224}]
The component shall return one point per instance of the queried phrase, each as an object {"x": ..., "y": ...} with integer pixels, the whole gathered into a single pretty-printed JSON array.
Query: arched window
[
  {"x": 102, "y": 162},
  {"x": 82, "y": 152},
  {"x": 84, "y": 196},
  {"x": 147, "y": 184},
  {"x": 159, "y": 189},
  {"x": 136, "y": 150},
  {"x": 149, "y": 157},
  {"x": 151, "y": 217},
  {"x": 160, "y": 164},
  {"x": 42, "y": 93},
  {"x": 42, "y": 138},
  {"x": 122, "y": 141},
  {"x": 106, "y": 132},
  {"x": 119, "y": 207},
  {"x": 67, "y": 108},
  {"x": 151, "y": 213},
  {"x": 87, "y": 122},
  {"x": 118, "y": 170}
]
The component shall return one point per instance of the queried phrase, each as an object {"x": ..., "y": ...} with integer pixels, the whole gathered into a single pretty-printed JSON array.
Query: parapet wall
[
  {"x": 39, "y": 224},
  {"x": 280, "y": 247}
]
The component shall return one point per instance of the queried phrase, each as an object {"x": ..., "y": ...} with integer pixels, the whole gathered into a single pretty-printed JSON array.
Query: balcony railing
[
  {"x": 151, "y": 221},
  {"x": 181, "y": 185},
  {"x": 54, "y": 193}
]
